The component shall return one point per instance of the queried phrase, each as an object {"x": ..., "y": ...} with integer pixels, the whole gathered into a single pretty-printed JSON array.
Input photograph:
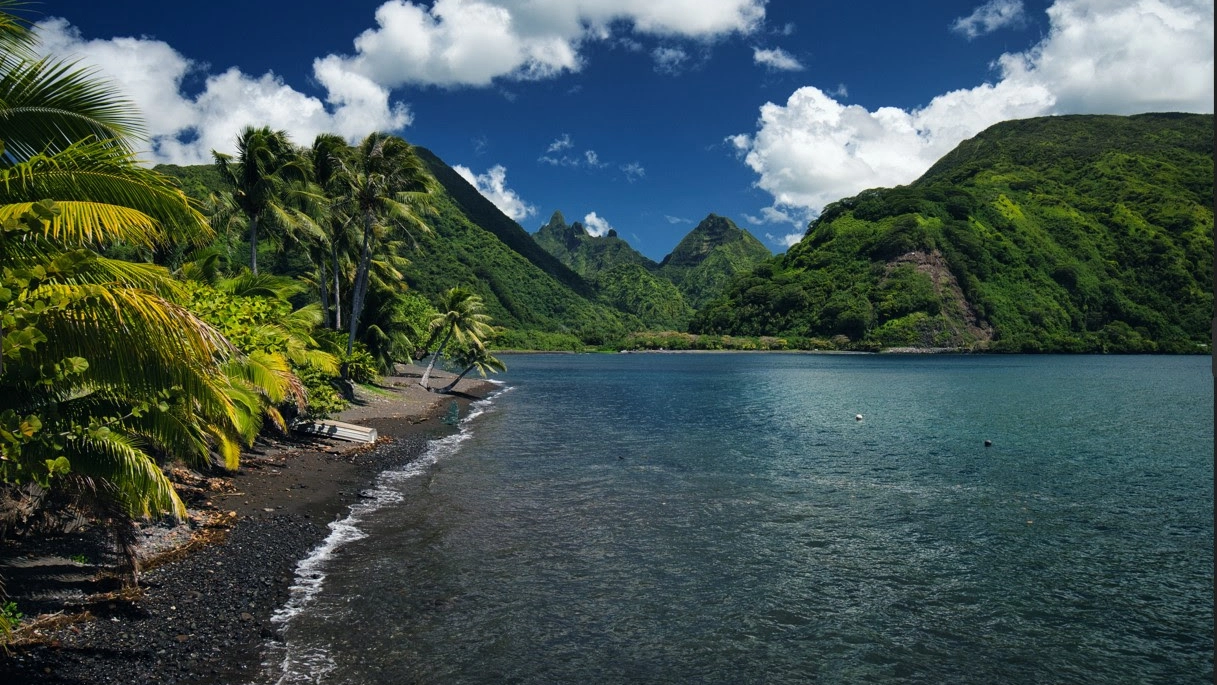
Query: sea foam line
[{"x": 303, "y": 664}]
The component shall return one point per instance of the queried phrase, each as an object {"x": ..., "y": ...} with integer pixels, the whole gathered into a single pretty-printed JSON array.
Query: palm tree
[
  {"x": 386, "y": 186},
  {"x": 101, "y": 369},
  {"x": 460, "y": 317},
  {"x": 267, "y": 170},
  {"x": 327, "y": 155},
  {"x": 474, "y": 356}
]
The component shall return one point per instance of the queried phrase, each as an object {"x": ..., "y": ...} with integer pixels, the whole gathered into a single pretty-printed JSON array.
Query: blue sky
[{"x": 642, "y": 115}]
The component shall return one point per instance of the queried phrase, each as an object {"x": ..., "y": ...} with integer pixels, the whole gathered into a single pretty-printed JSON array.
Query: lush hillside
[
  {"x": 482, "y": 212},
  {"x": 620, "y": 275},
  {"x": 709, "y": 257},
  {"x": 541, "y": 302},
  {"x": 1072, "y": 233},
  {"x": 585, "y": 254},
  {"x": 518, "y": 294}
]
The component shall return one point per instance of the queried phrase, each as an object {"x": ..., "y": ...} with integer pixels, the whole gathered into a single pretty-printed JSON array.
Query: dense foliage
[
  {"x": 1076, "y": 233},
  {"x": 620, "y": 275},
  {"x": 709, "y": 257}
]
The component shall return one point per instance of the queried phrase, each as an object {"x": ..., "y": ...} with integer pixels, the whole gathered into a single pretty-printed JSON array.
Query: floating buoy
[
  {"x": 857, "y": 417},
  {"x": 988, "y": 443}
]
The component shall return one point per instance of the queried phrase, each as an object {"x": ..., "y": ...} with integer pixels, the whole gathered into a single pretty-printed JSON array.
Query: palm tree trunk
[
  {"x": 253, "y": 244},
  {"x": 361, "y": 281},
  {"x": 337, "y": 290},
  {"x": 448, "y": 388},
  {"x": 325, "y": 293},
  {"x": 431, "y": 364}
]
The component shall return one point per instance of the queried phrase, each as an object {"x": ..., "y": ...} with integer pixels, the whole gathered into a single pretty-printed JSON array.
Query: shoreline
[{"x": 203, "y": 612}]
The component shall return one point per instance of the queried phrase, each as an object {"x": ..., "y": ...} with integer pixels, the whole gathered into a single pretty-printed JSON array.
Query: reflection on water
[{"x": 725, "y": 519}]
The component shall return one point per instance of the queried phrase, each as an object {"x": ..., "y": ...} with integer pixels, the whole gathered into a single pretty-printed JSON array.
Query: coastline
[{"x": 209, "y": 588}]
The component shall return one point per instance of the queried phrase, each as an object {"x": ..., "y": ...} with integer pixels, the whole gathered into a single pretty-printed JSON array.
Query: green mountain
[
  {"x": 585, "y": 254},
  {"x": 709, "y": 257},
  {"x": 662, "y": 295},
  {"x": 483, "y": 213},
  {"x": 620, "y": 275},
  {"x": 1070, "y": 233},
  {"x": 526, "y": 290}
]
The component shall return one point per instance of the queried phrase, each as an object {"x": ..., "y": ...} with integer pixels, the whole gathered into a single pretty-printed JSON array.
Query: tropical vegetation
[
  {"x": 1063, "y": 234},
  {"x": 132, "y": 336},
  {"x": 105, "y": 373}
]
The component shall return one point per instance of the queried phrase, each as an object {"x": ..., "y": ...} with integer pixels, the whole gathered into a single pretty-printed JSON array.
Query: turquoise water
[{"x": 725, "y": 518}]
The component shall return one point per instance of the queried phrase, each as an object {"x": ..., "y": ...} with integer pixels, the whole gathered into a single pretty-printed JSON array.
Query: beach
[{"x": 209, "y": 588}]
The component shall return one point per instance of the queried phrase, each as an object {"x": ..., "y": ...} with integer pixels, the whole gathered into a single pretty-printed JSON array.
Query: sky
[{"x": 642, "y": 116}]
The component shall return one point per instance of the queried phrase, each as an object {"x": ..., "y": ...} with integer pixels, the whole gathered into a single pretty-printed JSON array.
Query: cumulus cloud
[
  {"x": 473, "y": 42},
  {"x": 1099, "y": 56},
  {"x": 596, "y": 225},
  {"x": 447, "y": 43},
  {"x": 776, "y": 59},
  {"x": 184, "y": 129},
  {"x": 493, "y": 186},
  {"x": 787, "y": 240},
  {"x": 989, "y": 17}
]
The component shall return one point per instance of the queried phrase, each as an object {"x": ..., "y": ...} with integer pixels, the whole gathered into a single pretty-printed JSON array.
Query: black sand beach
[{"x": 203, "y": 610}]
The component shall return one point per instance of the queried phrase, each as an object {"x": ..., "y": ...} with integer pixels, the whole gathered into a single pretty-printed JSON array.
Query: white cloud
[
  {"x": 448, "y": 43},
  {"x": 596, "y": 225},
  {"x": 633, "y": 171},
  {"x": 776, "y": 59},
  {"x": 473, "y": 42},
  {"x": 593, "y": 159},
  {"x": 989, "y": 17},
  {"x": 676, "y": 219},
  {"x": 1100, "y": 56},
  {"x": 561, "y": 143},
  {"x": 787, "y": 240},
  {"x": 493, "y": 186},
  {"x": 185, "y": 129},
  {"x": 669, "y": 60}
]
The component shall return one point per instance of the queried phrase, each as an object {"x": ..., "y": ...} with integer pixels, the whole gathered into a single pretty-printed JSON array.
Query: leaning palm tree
[
  {"x": 460, "y": 318},
  {"x": 474, "y": 357},
  {"x": 266, "y": 170}
]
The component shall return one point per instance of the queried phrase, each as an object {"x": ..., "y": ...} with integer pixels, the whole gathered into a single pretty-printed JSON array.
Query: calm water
[{"x": 724, "y": 518}]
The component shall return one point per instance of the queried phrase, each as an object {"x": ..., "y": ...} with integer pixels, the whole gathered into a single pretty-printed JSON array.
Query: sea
[{"x": 783, "y": 518}]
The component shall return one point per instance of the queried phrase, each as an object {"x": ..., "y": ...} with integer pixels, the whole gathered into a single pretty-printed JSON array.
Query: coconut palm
[
  {"x": 386, "y": 186},
  {"x": 327, "y": 157},
  {"x": 460, "y": 318},
  {"x": 102, "y": 371},
  {"x": 474, "y": 356},
  {"x": 265, "y": 173}
]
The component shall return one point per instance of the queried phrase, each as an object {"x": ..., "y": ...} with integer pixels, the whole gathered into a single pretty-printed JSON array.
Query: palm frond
[
  {"x": 90, "y": 172},
  {"x": 45, "y": 104},
  {"x": 116, "y": 460}
]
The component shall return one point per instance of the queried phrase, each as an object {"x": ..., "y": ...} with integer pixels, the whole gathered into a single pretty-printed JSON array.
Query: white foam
[{"x": 304, "y": 664}]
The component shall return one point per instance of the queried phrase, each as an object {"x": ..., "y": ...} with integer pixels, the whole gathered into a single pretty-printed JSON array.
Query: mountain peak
[
  {"x": 712, "y": 232},
  {"x": 556, "y": 220}
]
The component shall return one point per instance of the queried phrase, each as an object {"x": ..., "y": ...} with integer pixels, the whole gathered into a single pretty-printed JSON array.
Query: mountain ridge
[{"x": 1080, "y": 233}]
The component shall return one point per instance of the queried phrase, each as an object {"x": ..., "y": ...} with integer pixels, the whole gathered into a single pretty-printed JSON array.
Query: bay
[{"x": 729, "y": 518}]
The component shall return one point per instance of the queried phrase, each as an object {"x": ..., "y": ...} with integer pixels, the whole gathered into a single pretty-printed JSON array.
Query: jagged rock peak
[{"x": 556, "y": 221}]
